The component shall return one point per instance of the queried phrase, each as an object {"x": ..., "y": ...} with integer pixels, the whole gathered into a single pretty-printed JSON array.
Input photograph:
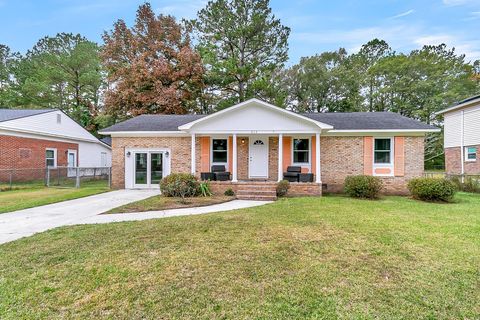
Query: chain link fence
[{"x": 59, "y": 177}]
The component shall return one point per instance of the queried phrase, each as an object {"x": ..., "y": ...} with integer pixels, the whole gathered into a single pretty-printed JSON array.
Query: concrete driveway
[
  {"x": 87, "y": 210},
  {"x": 24, "y": 223}
]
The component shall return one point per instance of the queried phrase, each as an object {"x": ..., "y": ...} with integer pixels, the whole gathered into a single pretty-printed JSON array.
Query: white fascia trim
[
  {"x": 412, "y": 132},
  {"x": 47, "y": 136},
  {"x": 388, "y": 130},
  {"x": 123, "y": 134},
  {"x": 466, "y": 104},
  {"x": 254, "y": 132},
  {"x": 189, "y": 125}
]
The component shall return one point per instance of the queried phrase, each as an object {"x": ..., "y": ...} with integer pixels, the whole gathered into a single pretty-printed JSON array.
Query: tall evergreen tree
[{"x": 243, "y": 45}]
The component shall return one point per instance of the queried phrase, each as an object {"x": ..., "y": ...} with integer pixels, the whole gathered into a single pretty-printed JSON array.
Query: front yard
[
  {"x": 34, "y": 195},
  {"x": 328, "y": 258}
]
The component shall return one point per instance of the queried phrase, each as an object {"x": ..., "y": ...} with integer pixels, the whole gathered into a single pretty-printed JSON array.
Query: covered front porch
[{"x": 256, "y": 157}]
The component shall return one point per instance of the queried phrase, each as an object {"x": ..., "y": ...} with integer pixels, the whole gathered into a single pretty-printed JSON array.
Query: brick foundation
[{"x": 453, "y": 162}]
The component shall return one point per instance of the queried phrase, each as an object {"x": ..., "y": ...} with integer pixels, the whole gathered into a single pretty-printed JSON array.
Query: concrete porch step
[
  {"x": 256, "y": 197},
  {"x": 258, "y": 192}
]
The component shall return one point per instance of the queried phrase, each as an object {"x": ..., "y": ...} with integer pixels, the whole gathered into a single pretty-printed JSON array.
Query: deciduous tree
[{"x": 152, "y": 67}]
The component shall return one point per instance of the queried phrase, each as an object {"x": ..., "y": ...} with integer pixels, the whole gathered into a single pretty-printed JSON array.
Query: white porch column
[
  {"x": 193, "y": 154},
  {"x": 318, "y": 177},
  {"x": 280, "y": 157},
  {"x": 234, "y": 159}
]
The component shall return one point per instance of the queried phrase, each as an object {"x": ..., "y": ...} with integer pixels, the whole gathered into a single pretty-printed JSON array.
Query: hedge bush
[
  {"x": 432, "y": 189},
  {"x": 469, "y": 184},
  {"x": 229, "y": 192},
  {"x": 361, "y": 186},
  {"x": 282, "y": 188},
  {"x": 182, "y": 185}
]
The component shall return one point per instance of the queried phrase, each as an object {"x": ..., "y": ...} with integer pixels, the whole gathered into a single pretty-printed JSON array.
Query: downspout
[{"x": 462, "y": 144}]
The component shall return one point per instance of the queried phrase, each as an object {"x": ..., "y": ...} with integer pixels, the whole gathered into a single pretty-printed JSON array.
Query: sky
[{"x": 316, "y": 26}]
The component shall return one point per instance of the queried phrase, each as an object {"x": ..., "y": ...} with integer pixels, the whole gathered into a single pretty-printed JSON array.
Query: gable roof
[
  {"x": 106, "y": 140},
  {"x": 257, "y": 103},
  {"x": 369, "y": 121},
  {"x": 12, "y": 114},
  {"x": 463, "y": 103}
]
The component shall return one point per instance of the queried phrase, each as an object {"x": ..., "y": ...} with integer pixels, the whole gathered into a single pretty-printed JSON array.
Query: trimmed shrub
[
  {"x": 182, "y": 185},
  {"x": 432, "y": 189},
  {"x": 469, "y": 184},
  {"x": 367, "y": 187},
  {"x": 229, "y": 192},
  {"x": 282, "y": 188}
]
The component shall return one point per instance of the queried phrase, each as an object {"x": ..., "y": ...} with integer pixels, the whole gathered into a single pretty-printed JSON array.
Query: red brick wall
[
  {"x": 18, "y": 152},
  {"x": 27, "y": 157},
  {"x": 453, "y": 164}
]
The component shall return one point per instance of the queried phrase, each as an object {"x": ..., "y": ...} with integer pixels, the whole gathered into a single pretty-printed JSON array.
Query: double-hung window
[
  {"x": 382, "y": 153},
  {"x": 51, "y": 157},
  {"x": 471, "y": 154},
  {"x": 219, "y": 151},
  {"x": 301, "y": 151}
]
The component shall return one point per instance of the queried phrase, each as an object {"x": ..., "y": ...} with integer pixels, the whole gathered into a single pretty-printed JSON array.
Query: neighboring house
[
  {"x": 35, "y": 139},
  {"x": 462, "y": 137},
  {"x": 257, "y": 141}
]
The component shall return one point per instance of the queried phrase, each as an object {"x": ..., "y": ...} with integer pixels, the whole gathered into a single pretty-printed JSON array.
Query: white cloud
[
  {"x": 460, "y": 2},
  {"x": 403, "y": 14},
  {"x": 400, "y": 37},
  {"x": 186, "y": 9}
]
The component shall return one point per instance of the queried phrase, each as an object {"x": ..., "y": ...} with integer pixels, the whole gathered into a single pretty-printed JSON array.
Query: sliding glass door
[{"x": 148, "y": 170}]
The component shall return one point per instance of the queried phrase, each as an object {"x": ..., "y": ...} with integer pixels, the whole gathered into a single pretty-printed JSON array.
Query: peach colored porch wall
[
  {"x": 204, "y": 154},
  {"x": 314, "y": 155},
  {"x": 287, "y": 152}
]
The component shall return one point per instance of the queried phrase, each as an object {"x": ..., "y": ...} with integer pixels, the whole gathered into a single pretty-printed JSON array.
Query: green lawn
[
  {"x": 300, "y": 258},
  {"x": 37, "y": 195}
]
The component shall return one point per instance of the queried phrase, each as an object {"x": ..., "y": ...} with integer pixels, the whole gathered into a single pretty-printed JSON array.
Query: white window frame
[
  {"x": 390, "y": 165},
  {"x": 54, "y": 157},
  {"x": 391, "y": 152},
  {"x": 302, "y": 164},
  {"x": 467, "y": 153},
  {"x": 211, "y": 152}
]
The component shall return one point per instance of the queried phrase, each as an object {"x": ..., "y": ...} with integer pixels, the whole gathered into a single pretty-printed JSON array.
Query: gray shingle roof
[
  {"x": 106, "y": 140},
  {"x": 368, "y": 121},
  {"x": 340, "y": 121},
  {"x": 154, "y": 123},
  {"x": 11, "y": 114}
]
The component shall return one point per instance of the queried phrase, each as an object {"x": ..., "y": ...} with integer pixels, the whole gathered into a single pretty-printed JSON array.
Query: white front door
[{"x": 258, "y": 155}]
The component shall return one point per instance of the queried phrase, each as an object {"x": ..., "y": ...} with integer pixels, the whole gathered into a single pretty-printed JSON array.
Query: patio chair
[
  {"x": 221, "y": 174},
  {"x": 292, "y": 174}
]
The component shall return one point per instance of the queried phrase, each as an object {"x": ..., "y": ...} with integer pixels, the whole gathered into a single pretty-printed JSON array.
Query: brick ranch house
[
  {"x": 257, "y": 141},
  {"x": 31, "y": 140},
  {"x": 462, "y": 137}
]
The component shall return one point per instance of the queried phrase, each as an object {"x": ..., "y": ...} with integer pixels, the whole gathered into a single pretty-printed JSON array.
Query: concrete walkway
[
  {"x": 24, "y": 223},
  {"x": 87, "y": 210},
  {"x": 226, "y": 206}
]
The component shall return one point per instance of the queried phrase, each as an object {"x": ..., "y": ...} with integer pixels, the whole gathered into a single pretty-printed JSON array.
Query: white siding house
[{"x": 462, "y": 136}]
